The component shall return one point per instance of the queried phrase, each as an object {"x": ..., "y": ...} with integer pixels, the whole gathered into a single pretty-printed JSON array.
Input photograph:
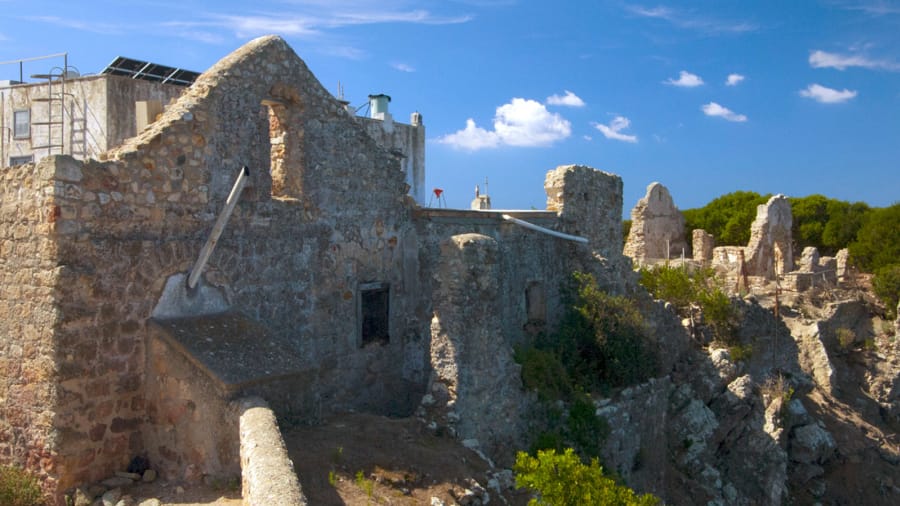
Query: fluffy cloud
[
  {"x": 569, "y": 99},
  {"x": 716, "y": 110},
  {"x": 685, "y": 80},
  {"x": 528, "y": 123},
  {"x": 734, "y": 79},
  {"x": 822, "y": 59},
  {"x": 825, "y": 95},
  {"x": 521, "y": 122},
  {"x": 614, "y": 129}
]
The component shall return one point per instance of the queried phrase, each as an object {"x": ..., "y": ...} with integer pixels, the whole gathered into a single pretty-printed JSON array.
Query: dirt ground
[
  {"x": 362, "y": 459},
  {"x": 225, "y": 494}
]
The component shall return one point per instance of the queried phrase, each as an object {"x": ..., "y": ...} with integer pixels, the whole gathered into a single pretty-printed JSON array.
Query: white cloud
[
  {"x": 521, "y": 122},
  {"x": 685, "y": 80},
  {"x": 614, "y": 129},
  {"x": 734, "y": 79},
  {"x": 525, "y": 122},
  {"x": 690, "y": 21},
  {"x": 569, "y": 99},
  {"x": 403, "y": 67},
  {"x": 587, "y": 138},
  {"x": 825, "y": 95},
  {"x": 822, "y": 59},
  {"x": 714, "y": 109},
  {"x": 471, "y": 138}
]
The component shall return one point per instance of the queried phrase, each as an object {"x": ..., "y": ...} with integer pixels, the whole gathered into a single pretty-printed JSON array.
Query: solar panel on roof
[{"x": 137, "y": 69}]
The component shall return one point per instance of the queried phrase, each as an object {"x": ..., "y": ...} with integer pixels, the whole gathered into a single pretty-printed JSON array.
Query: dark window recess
[
  {"x": 535, "y": 307},
  {"x": 20, "y": 160},
  {"x": 375, "y": 309}
]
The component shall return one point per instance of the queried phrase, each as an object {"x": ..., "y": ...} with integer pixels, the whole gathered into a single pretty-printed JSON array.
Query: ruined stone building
[
  {"x": 657, "y": 228},
  {"x": 330, "y": 289}
]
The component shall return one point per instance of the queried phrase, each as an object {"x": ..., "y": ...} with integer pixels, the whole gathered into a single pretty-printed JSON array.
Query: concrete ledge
[{"x": 267, "y": 474}]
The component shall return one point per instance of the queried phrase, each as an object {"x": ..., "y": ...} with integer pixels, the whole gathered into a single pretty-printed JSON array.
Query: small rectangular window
[
  {"x": 20, "y": 160},
  {"x": 374, "y": 301},
  {"x": 21, "y": 124}
]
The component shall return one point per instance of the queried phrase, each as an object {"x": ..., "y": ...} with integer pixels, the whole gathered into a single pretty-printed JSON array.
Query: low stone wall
[{"x": 267, "y": 473}]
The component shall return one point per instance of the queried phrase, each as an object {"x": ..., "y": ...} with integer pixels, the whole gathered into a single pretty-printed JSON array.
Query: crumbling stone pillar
[
  {"x": 841, "y": 260},
  {"x": 702, "y": 245},
  {"x": 769, "y": 251},
  {"x": 657, "y": 227},
  {"x": 589, "y": 204},
  {"x": 475, "y": 381}
]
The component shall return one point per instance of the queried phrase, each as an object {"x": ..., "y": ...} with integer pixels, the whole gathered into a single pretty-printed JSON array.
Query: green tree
[
  {"x": 877, "y": 244},
  {"x": 886, "y": 285},
  {"x": 563, "y": 480},
  {"x": 727, "y": 218},
  {"x": 826, "y": 224}
]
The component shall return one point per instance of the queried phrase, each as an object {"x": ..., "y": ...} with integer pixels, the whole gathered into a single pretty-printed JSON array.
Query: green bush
[
  {"x": 877, "y": 244},
  {"x": 886, "y": 285},
  {"x": 683, "y": 288},
  {"x": 19, "y": 488},
  {"x": 563, "y": 480},
  {"x": 543, "y": 373}
]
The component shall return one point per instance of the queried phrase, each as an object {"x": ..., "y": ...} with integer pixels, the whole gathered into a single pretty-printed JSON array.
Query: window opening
[
  {"x": 20, "y": 160},
  {"x": 22, "y": 124},
  {"x": 374, "y": 313}
]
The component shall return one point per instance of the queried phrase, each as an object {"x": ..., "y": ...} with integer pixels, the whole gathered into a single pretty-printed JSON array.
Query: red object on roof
[{"x": 438, "y": 192}]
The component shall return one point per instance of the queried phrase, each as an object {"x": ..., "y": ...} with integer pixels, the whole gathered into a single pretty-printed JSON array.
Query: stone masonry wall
[
  {"x": 28, "y": 319},
  {"x": 303, "y": 239}
]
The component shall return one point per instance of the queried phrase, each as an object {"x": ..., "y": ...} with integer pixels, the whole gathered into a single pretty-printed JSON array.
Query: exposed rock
[
  {"x": 657, "y": 227},
  {"x": 811, "y": 444},
  {"x": 149, "y": 476},
  {"x": 111, "y": 497}
]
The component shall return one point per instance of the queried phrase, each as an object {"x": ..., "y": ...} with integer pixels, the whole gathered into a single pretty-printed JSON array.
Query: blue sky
[{"x": 706, "y": 97}]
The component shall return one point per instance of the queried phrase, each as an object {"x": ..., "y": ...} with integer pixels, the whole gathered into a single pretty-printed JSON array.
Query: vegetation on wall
[
  {"x": 561, "y": 479},
  {"x": 699, "y": 288},
  {"x": 601, "y": 344},
  {"x": 19, "y": 487}
]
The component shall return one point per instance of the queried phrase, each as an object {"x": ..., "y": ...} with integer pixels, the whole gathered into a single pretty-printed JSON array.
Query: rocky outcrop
[{"x": 657, "y": 227}]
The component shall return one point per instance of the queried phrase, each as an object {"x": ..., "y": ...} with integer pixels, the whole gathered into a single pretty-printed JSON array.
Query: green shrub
[
  {"x": 886, "y": 285},
  {"x": 845, "y": 338},
  {"x": 543, "y": 373},
  {"x": 740, "y": 353},
  {"x": 563, "y": 480},
  {"x": 683, "y": 288},
  {"x": 19, "y": 487}
]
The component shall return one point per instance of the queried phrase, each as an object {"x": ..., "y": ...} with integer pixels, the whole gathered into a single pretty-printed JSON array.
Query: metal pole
[
  {"x": 544, "y": 230},
  {"x": 218, "y": 228}
]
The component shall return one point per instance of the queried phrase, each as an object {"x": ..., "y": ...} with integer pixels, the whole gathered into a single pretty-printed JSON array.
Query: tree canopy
[{"x": 727, "y": 218}]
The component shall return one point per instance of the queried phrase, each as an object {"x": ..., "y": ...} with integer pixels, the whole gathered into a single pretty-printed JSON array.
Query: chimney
[{"x": 378, "y": 107}]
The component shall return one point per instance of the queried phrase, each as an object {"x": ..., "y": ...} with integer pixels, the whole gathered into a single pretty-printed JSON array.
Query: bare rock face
[
  {"x": 769, "y": 251},
  {"x": 657, "y": 227}
]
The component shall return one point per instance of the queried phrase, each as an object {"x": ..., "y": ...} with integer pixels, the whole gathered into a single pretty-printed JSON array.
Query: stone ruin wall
[
  {"x": 657, "y": 228},
  {"x": 492, "y": 283},
  {"x": 28, "y": 319},
  {"x": 291, "y": 257},
  {"x": 90, "y": 246}
]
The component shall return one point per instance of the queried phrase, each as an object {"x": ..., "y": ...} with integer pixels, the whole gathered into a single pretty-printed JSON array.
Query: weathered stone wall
[
  {"x": 293, "y": 256},
  {"x": 28, "y": 319},
  {"x": 657, "y": 227},
  {"x": 409, "y": 141},
  {"x": 702, "y": 245},
  {"x": 770, "y": 249}
]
